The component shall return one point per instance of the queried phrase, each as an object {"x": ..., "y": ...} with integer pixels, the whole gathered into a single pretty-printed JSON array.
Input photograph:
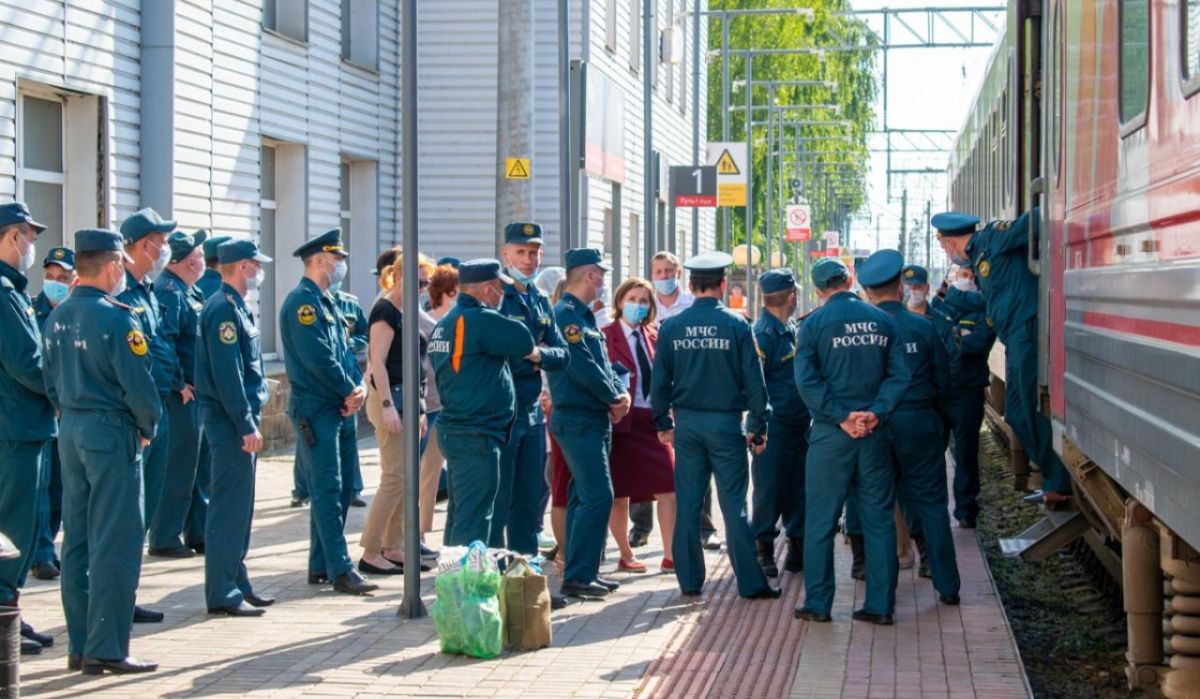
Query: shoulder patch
[
  {"x": 573, "y": 333},
  {"x": 227, "y": 331},
  {"x": 984, "y": 269},
  {"x": 137, "y": 343},
  {"x": 306, "y": 314}
]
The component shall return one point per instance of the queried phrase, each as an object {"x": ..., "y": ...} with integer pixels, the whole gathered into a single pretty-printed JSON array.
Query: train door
[{"x": 1052, "y": 309}]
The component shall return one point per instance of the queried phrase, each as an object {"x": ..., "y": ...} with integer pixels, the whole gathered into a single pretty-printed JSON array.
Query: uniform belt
[{"x": 916, "y": 405}]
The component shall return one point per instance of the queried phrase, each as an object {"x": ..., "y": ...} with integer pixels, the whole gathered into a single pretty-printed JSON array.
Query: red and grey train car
[{"x": 1090, "y": 109}]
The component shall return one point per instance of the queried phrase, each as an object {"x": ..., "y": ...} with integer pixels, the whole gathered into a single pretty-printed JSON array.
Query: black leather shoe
[
  {"x": 376, "y": 570},
  {"x": 142, "y": 615},
  {"x": 638, "y": 539},
  {"x": 426, "y": 565},
  {"x": 173, "y": 552},
  {"x": 691, "y": 593},
  {"x": 29, "y": 647},
  {"x": 357, "y": 501},
  {"x": 299, "y": 501},
  {"x": 125, "y": 666},
  {"x": 766, "y": 558},
  {"x": 952, "y": 600},
  {"x": 42, "y": 639},
  {"x": 74, "y": 662},
  {"x": 46, "y": 570},
  {"x": 258, "y": 600},
  {"x": 242, "y": 609},
  {"x": 198, "y": 548},
  {"x": 967, "y": 523},
  {"x": 317, "y": 579},
  {"x": 610, "y": 585},
  {"x": 557, "y": 601},
  {"x": 591, "y": 590},
  {"x": 794, "y": 561},
  {"x": 768, "y": 592},
  {"x": 351, "y": 583},
  {"x": 810, "y": 615},
  {"x": 877, "y": 619},
  {"x": 711, "y": 542}
]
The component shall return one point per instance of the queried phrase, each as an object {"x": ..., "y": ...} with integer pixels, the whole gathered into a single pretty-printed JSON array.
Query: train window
[
  {"x": 1191, "y": 43},
  {"x": 1135, "y": 62}
]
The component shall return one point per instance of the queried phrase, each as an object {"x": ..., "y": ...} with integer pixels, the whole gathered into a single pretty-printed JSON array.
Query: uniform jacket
[
  {"x": 209, "y": 283},
  {"x": 472, "y": 350},
  {"x": 140, "y": 296},
  {"x": 998, "y": 256},
  {"x": 927, "y": 358},
  {"x": 777, "y": 348},
  {"x": 316, "y": 350},
  {"x": 180, "y": 306},
  {"x": 352, "y": 315},
  {"x": 538, "y": 317},
  {"x": 229, "y": 366},
  {"x": 850, "y": 358},
  {"x": 41, "y": 310},
  {"x": 25, "y": 412},
  {"x": 588, "y": 386},
  {"x": 970, "y": 340},
  {"x": 618, "y": 351},
  {"x": 707, "y": 360},
  {"x": 98, "y": 360}
]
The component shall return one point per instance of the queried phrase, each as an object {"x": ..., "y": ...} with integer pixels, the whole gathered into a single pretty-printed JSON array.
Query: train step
[{"x": 1049, "y": 534}]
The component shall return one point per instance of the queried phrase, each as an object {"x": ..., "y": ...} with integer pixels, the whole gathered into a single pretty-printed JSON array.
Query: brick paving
[{"x": 645, "y": 640}]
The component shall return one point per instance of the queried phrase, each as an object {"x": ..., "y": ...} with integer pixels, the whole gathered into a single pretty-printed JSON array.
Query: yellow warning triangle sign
[
  {"x": 726, "y": 164},
  {"x": 518, "y": 169}
]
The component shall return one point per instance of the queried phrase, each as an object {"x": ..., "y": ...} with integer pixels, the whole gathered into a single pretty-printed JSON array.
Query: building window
[
  {"x": 357, "y": 218},
  {"x": 684, "y": 78},
  {"x": 345, "y": 214},
  {"x": 287, "y": 17},
  {"x": 267, "y": 292},
  {"x": 360, "y": 34},
  {"x": 610, "y": 25},
  {"x": 635, "y": 34},
  {"x": 1191, "y": 39},
  {"x": 635, "y": 235},
  {"x": 1135, "y": 59},
  {"x": 666, "y": 57}
]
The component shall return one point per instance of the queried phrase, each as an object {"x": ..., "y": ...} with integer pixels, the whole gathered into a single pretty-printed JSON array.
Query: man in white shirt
[{"x": 671, "y": 299}]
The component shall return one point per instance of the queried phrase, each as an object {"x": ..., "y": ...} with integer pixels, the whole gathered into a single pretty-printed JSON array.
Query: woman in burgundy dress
[{"x": 642, "y": 467}]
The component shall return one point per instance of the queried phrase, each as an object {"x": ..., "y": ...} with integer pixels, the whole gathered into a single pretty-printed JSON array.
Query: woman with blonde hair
[
  {"x": 643, "y": 468},
  {"x": 383, "y": 532}
]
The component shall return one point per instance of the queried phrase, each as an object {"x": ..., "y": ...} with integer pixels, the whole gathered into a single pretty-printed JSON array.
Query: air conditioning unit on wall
[{"x": 670, "y": 45}]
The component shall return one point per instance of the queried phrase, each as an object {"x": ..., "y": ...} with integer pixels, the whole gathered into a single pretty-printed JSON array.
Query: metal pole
[
  {"x": 514, "y": 115},
  {"x": 565, "y": 235},
  {"x": 695, "y": 117},
  {"x": 726, "y": 212},
  {"x": 904, "y": 223},
  {"x": 749, "y": 181},
  {"x": 412, "y": 607},
  {"x": 928, "y": 237},
  {"x": 771, "y": 203},
  {"x": 649, "y": 169}
]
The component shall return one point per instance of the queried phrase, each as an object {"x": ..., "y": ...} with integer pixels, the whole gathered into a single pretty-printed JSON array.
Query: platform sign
[
  {"x": 694, "y": 186},
  {"x": 729, "y": 158},
  {"x": 798, "y": 218}
]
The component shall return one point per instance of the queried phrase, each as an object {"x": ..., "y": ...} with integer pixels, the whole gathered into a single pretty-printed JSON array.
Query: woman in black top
[{"x": 383, "y": 532}]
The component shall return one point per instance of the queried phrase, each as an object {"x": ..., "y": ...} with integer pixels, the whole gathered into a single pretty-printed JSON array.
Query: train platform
[{"x": 644, "y": 641}]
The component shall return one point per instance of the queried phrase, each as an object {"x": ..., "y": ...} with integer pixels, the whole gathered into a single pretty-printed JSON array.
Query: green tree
[{"x": 832, "y": 160}]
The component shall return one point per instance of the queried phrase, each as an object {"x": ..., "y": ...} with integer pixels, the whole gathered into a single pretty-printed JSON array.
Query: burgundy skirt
[
  {"x": 641, "y": 465},
  {"x": 560, "y": 475}
]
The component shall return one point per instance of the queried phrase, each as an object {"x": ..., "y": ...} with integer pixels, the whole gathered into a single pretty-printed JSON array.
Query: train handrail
[{"x": 1036, "y": 188}]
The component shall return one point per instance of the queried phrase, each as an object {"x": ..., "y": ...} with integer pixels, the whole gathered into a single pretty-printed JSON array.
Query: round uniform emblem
[
  {"x": 909, "y": 273},
  {"x": 227, "y": 331},
  {"x": 573, "y": 333},
  {"x": 528, "y": 229},
  {"x": 984, "y": 268},
  {"x": 306, "y": 314},
  {"x": 137, "y": 343},
  {"x": 59, "y": 254}
]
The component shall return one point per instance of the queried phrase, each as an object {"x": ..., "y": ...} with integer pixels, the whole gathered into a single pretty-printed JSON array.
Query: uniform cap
[
  {"x": 237, "y": 250},
  {"x": 479, "y": 271},
  {"x": 710, "y": 263},
  {"x": 583, "y": 256},
  {"x": 452, "y": 261},
  {"x": 523, "y": 233},
  {"x": 17, "y": 212},
  {"x": 143, "y": 223},
  {"x": 329, "y": 241},
  {"x": 182, "y": 244},
  {"x": 99, "y": 240},
  {"x": 777, "y": 280},
  {"x": 881, "y": 268},
  {"x": 63, "y": 257},
  {"x": 951, "y": 224},
  {"x": 826, "y": 270},
  {"x": 211, "y": 245},
  {"x": 916, "y": 274}
]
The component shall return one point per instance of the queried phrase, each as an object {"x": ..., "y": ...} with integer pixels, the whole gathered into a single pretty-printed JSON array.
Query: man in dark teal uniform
[
  {"x": 26, "y": 417},
  {"x": 180, "y": 302},
  {"x": 58, "y": 274},
  {"x": 326, "y": 388},
  {"x": 148, "y": 252},
  {"x": 472, "y": 350},
  {"x": 193, "y": 534},
  {"x": 851, "y": 373},
  {"x": 998, "y": 256},
  {"x": 779, "y": 470},
  {"x": 522, "y": 463},
  {"x": 916, "y": 429},
  {"x": 210, "y": 282},
  {"x": 707, "y": 372},
  {"x": 588, "y": 398},
  {"x": 98, "y": 376},
  {"x": 231, "y": 388}
]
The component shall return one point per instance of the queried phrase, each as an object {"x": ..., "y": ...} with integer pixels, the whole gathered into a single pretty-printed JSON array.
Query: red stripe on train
[{"x": 1155, "y": 329}]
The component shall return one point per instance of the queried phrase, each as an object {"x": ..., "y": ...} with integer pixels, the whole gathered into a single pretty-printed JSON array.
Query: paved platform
[{"x": 644, "y": 641}]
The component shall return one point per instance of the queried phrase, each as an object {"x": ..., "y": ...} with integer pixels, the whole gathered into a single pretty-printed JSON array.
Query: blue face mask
[
  {"x": 666, "y": 287},
  {"x": 55, "y": 291},
  {"x": 525, "y": 279},
  {"x": 634, "y": 312}
]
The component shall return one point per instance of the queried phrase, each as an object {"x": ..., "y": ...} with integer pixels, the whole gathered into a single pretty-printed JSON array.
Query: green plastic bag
[{"x": 466, "y": 613}]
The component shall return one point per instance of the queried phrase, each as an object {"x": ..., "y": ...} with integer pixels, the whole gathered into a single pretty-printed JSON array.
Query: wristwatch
[{"x": 387, "y": 403}]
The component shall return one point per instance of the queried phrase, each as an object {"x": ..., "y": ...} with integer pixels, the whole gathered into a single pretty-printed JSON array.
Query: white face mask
[
  {"x": 339, "y": 272},
  {"x": 164, "y": 257},
  {"x": 964, "y": 285},
  {"x": 916, "y": 298},
  {"x": 28, "y": 256},
  {"x": 121, "y": 284},
  {"x": 257, "y": 280}
]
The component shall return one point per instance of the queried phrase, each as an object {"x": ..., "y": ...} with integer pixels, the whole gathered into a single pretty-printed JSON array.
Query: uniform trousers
[
  {"x": 20, "y": 482},
  {"x": 49, "y": 507},
  {"x": 712, "y": 445},
  {"x": 837, "y": 466},
  {"x": 231, "y": 510},
  {"x": 347, "y": 440},
  {"x": 154, "y": 465},
  {"x": 103, "y": 529},
  {"x": 197, "y": 517},
  {"x": 586, "y": 440},
  {"x": 518, "y": 505},
  {"x": 964, "y": 406},
  {"x": 1021, "y": 412},
  {"x": 179, "y": 475},
  {"x": 778, "y": 476},
  {"x": 473, "y": 466},
  {"x": 328, "y": 478}
]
